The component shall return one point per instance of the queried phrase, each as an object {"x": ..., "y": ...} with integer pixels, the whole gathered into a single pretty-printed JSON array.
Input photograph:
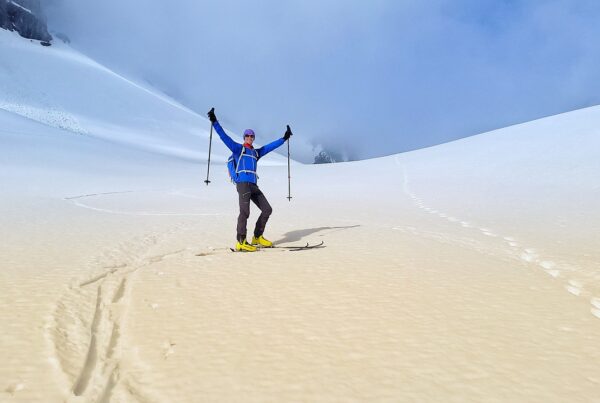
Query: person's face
[{"x": 249, "y": 139}]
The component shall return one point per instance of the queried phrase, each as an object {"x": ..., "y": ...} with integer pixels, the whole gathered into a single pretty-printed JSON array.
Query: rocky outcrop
[
  {"x": 25, "y": 17},
  {"x": 4, "y": 22}
]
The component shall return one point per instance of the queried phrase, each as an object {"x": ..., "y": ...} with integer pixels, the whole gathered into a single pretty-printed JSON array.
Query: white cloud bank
[{"x": 364, "y": 78}]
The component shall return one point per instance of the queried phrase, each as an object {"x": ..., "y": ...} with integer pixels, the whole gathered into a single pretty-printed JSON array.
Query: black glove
[
  {"x": 288, "y": 133},
  {"x": 212, "y": 116}
]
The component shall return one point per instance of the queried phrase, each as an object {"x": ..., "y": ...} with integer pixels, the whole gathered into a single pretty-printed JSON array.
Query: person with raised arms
[{"x": 242, "y": 168}]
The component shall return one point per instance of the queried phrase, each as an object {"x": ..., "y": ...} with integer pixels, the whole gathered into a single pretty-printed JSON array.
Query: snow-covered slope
[
  {"x": 465, "y": 272},
  {"x": 64, "y": 89}
]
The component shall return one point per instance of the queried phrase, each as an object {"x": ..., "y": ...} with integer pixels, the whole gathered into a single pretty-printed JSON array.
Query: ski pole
[
  {"x": 289, "y": 176},
  {"x": 209, "y": 149}
]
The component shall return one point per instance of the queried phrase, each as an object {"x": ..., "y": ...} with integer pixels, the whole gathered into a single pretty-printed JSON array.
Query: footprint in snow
[
  {"x": 14, "y": 388},
  {"x": 168, "y": 348},
  {"x": 529, "y": 255},
  {"x": 574, "y": 287},
  {"x": 547, "y": 265}
]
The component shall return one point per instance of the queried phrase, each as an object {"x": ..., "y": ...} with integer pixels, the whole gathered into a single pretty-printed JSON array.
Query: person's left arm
[{"x": 264, "y": 150}]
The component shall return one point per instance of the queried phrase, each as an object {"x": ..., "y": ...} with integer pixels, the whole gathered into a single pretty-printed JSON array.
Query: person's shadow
[{"x": 297, "y": 235}]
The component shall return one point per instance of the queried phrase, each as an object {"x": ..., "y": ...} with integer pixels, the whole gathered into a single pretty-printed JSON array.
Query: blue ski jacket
[{"x": 246, "y": 158}]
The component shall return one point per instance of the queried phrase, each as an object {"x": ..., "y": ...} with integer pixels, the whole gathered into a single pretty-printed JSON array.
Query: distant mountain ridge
[{"x": 26, "y": 17}]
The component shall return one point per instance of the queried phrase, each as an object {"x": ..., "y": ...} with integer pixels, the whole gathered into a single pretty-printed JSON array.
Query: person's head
[{"x": 249, "y": 136}]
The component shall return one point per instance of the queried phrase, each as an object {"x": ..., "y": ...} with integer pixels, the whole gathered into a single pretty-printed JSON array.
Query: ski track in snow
[
  {"x": 91, "y": 353},
  {"x": 525, "y": 254},
  {"x": 76, "y": 200}
]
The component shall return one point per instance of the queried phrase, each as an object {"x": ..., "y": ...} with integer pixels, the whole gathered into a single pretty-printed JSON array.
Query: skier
[{"x": 244, "y": 161}]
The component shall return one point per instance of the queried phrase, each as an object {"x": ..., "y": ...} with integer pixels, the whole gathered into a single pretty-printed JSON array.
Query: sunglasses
[{"x": 249, "y": 135}]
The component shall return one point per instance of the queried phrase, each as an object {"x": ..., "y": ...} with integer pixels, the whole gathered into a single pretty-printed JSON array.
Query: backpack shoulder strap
[{"x": 237, "y": 166}]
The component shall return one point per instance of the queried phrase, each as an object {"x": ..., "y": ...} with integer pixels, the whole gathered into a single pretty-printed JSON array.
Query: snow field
[{"x": 459, "y": 272}]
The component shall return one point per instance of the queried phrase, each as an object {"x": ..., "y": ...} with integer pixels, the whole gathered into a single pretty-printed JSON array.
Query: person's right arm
[{"x": 232, "y": 145}]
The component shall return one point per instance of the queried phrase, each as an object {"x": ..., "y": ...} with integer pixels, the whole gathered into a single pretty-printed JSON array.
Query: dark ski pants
[{"x": 250, "y": 191}]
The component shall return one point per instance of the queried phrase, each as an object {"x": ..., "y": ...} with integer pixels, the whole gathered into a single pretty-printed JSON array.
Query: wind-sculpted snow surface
[{"x": 463, "y": 272}]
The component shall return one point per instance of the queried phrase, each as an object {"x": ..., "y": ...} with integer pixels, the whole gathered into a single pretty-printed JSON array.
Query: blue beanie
[{"x": 249, "y": 132}]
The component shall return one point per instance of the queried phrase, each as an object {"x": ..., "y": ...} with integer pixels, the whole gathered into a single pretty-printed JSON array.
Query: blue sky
[{"x": 362, "y": 78}]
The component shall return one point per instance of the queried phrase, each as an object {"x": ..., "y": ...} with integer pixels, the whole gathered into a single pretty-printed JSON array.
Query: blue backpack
[{"x": 232, "y": 167}]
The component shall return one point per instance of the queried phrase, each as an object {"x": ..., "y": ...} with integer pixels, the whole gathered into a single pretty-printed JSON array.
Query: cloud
[{"x": 361, "y": 78}]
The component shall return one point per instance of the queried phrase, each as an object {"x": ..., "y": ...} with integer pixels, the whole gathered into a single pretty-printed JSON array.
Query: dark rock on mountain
[
  {"x": 324, "y": 158},
  {"x": 4, "y": 22},
  {"x": 331, "y": 157},
  {"x": 26, "y": 17},
  {"x": 328, "y": 157}
]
